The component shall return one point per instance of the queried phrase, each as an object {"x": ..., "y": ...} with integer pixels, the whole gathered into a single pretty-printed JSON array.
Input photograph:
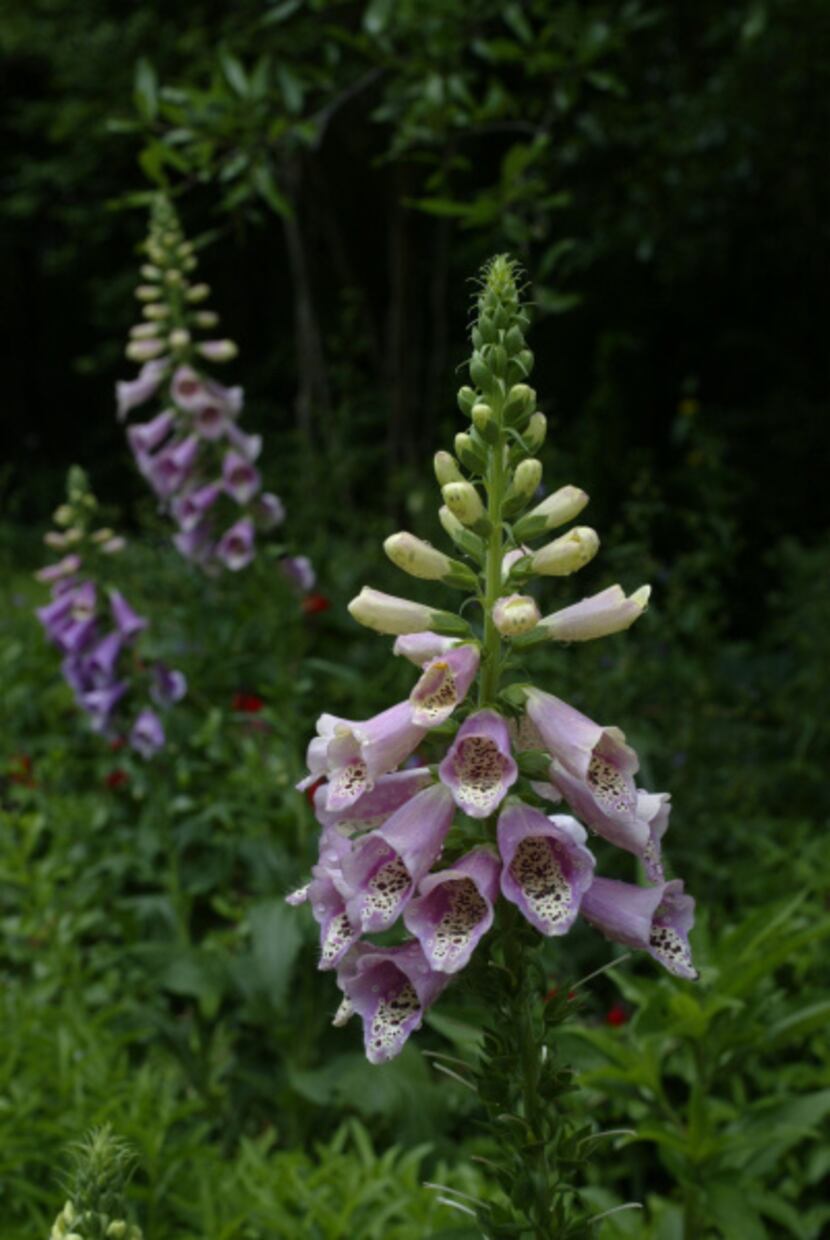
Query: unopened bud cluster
[
  {"x": 193, "y": 453},
  {"x": 97, "y": 1206},
  {"x": 512, "y": 749},
  {"x": 97, "y": 631}
]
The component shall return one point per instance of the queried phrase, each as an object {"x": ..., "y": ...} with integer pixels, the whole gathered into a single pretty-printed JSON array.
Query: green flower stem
[{"x": 491, "y": 651}]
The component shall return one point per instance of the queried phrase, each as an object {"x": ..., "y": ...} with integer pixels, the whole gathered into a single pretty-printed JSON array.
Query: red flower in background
[
  {"x": 616, "y": 1015},
  {"x": 117, "y": 742},
  {"x": 247, "y": 703},
  {"x": 312, "y": 604},
  {"x": 20, "y": 770},
  {"x": 116, "y": 778}
]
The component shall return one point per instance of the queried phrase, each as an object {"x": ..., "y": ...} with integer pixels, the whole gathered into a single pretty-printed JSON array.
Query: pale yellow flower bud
[
  {"x": 446, "y": 468},
  {"x": 463, "y": 501},
  {"x": 199, "y": 292},
  {"x": 567, "y": 554},
  {"x": 515, "y": 614}
]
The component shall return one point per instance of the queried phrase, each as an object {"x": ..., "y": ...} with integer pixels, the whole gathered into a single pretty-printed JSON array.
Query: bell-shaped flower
[
  {"x": 145, "y": 437},
  {"x": 389, "y": 988},
  {"x": 248, "y": 446},
  {"x": 300, "y": 571},
  {"x": 593, "y": 768},
  {"x": 352, "y": 755},
  {"x": 84, "y": 600},
  {"x": 384, "y": 867},
  {"x": 653, "y": 808},
  {"x": 443, "y": 685},
  {"x": 168, "y": 686},
  {"x": 421, "y": 648},
  {"x": 598, "y": 616},
  {"x": 190, "y": 509},
  {"x": 75, "y": 636},
  {"x": 269, "y": 510},
  {"x": 326, "y": 896},
  {"x": 147, "y": 734},
  {"x": 188, "y": 389},
  {"x": 546, "y": 867},
  {"x": 100, "y": 703},
  {"x": 478, "y": 767},
  {"x": 76, "y": 674},
  {"x": 131, "y": 393},
  {"x": 241, "y": 479},
  {"x": 169, "y": 469},
  {"x": 387, "y": 794},
  {"x": 127, "y": 621},
  {"x": 54, "y": 614},
  {"x": 454, "y": 909},
  {"x": 102, "y": 662},
  {"x": 653, "y": 919},
  {"x": 236, "y": 546},
  {"x": 195, "y": 544}
]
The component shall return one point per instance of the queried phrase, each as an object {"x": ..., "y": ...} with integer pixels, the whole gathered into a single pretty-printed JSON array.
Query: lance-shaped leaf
[{"x": 546, "y": 867}]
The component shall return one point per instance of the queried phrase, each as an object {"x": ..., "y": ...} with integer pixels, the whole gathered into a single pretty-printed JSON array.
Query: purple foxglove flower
[
  {"x": 195, "y": 544},
  {"x": 236, "y": 546},
  {"x": 421, "y": 648},
  {"x": 372, "y": 809},
  {"x": 211, "y": 419},
  {"x": 84, "y": 600},
  {"x": 169, "y": 685},
  {"x": 75, "y": 635},
  {"x": 479, "y": 768},
  {"x": 173, "y": 465},
  {"x": 454, "y": 909},
  {"x": 63, "y": 568},
  {"x": 145, "y": 437},
  {"x": 653, "y": 919},
  {"x": 547, "y": 868},
  {"x": 443, "y": 686},
  {"x": 593, "y": 768},
  {"x": 189, "y": 509},
  {"x": 55, "y": 613},
  {"x": 300, "y": 572},
  {"x": 241, "y": 480},
  {"x": 653, "y": 808},
  {"x": 136, "y": 391},
  {"x": 269, "y": 510},
  {"x": 128, "y": 622},
  {"x": 188, "y": 389},
  {"x": 598, "y": 616},
  {"x": 100, "y": 703},
  {"x": 147, "y": 734},
  {"x": 384, "y": 867},
  {"x": 390, "y": 988},
  {"x": 76, "y": 675},
  {"x": 326, "y": 894},
  {"x": 352, "y": 755},
  {"x": 102, "y": 661},
  {"x": 248, "y": 446},
  {"x": 525, "y": 735}
]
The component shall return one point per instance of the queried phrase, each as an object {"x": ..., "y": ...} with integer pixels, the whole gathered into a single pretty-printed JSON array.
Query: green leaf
[
  {"x": 145, "y": 90},
  {"x": 235, "y": 73}
]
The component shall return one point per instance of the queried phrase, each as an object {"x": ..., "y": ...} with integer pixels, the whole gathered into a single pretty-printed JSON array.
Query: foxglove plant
[
  {"x": 464, "y": 850},
  {"x": 193, "y": 453},
  {"x": 97, "y": 631},
  {"x": 96, "y": 1208}
]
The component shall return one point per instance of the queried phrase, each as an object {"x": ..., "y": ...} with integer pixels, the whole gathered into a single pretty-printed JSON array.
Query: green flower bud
[
  {"x": 485, "y": 422},
  {"x": 520, "y": 403},
  {"x": 147, "y": 292},
  {"x": 206, "y": 318},
  {"x": 179, "y": 338},
  {"x": 514, "y": 341},
  {"x": 468, "y": 454},
  {"x": 464, "y": 539},
  {"x": 150, "y": 272},
  {"x": 466, "y": 400},
  {"x": 480, "y": 372},
  {"x": 464, "y": 502},
  {"x": 526, "y": 480},
  {"x": 155, "y": 311},
  {"x": 520, "y": 366},
  {"x": 421, "y": 559},
  {"x": 199, "y": 292},
  {"x": 63, "y": 515},
  {"x": 535, "y": 432},
  {"x": 446, "y": 468}
]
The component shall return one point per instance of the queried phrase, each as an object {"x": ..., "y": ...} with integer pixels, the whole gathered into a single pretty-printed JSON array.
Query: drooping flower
[
  {"x": 479, "y": 768},
  {"x": 653, "y": 919},
  {"x": 389, "y": 988},
  {"x": 136, "y": 391},
  {"x": 546, "y": 867},
  {"x": 421, "y": 648},
  {"x": 388, "y": 793},
  {"x": 443, "y": 686},
  {"x": 352, "y": 755},
  {"x": 147, "y": 734},
  {"x": 236, "y": 546},
  {"x": 453, "y": 910},
  {"x": 384, "y": 867}
]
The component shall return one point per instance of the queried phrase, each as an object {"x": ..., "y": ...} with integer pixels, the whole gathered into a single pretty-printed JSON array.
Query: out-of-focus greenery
[{"x": 660, "y": 170}]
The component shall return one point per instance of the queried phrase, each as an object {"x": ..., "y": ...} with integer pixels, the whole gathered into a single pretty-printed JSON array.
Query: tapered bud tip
[
  {"x": 446, "y": 468},
  {"x": 528, "y": 475},
  {"x": 515, "y": 614},
  {"x": 567, "y": 554},
  {"x": 416, "y": 557},
  {"x": 387, "y": 614},
  {"x": 466, "y": 400},
  {"x": 463, "y": 501},
  {"x": 144, "y": 350}
]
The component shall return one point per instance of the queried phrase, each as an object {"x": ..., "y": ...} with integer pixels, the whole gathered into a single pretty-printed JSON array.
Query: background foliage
[{"x": 659, "y": 169}]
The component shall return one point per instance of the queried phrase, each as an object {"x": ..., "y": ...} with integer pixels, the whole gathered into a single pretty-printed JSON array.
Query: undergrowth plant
[{"x": 418, "y": 786}]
